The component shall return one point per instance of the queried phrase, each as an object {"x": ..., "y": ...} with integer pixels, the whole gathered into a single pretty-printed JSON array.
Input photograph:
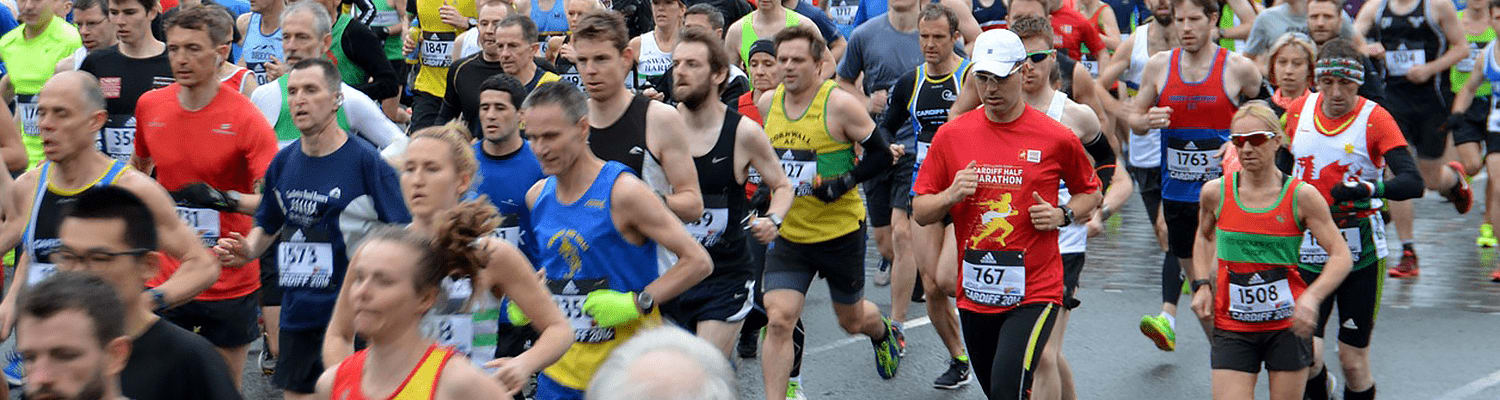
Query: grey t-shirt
[
  {"x": 1278, "y": 20},
  {"x": 881, "y": 53}
]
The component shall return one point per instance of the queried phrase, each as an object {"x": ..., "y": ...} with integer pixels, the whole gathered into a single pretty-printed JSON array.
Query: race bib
[
  {"x": 1091, "y": 66},
  {"x": 1467, "y": 64},
  {"x": 1494, "y": 117},
  {"x": 994, "y": 278},
  {"x": 385, "y": 18},
  {"x": 709, "y": 228},
  {"x": 801, "y": 167},
  {"x": 437, "y": 49},
  {"x": 305, "y": 264},
  {"x": 922, "y": 151},
  {"x": 40, "y": 271},
  {"x": 202, "y": 220},
  {"x": 1192, "y": 161},
  {"x": 117, "y": 139},
  {"x": 26, "y": 112},
  {"x": 1399, "y": 62},
  {"x": 453, "y": 330},
  {"x": 1313, "y": 253},
  {"x": 1262, "y": 296},
  {"x": 509, "y": 229},
  {"x": 570, "y": 295}
]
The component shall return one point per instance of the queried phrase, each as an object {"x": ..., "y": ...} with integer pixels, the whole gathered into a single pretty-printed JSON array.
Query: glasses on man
[
  {"x": 1255, "y": 138},
  {"x": 67, "y": 257},
  {"x": 984, "y": 79},
  {"x": 1037, "y": 57}
]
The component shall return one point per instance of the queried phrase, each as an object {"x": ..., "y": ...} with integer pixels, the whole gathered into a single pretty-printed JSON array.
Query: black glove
[
  {"x": 1350, "y": 191},
  {"x": 832, "y": 188},
  {"x": 200, "y": 195},
  {"x": 1454, "y": 121},
  {"x": 760, "y": 201}
]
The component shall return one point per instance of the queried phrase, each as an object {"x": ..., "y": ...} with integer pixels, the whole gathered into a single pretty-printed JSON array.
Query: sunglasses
[
  {"x": 988, "y": 79},
  {"x": 1256, "y": 138},
  {"x": 1037, "y": 57}
]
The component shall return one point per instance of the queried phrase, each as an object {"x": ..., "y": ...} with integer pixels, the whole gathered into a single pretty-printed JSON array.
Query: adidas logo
[
  {"x": 787, "y": 155},
  {"x": 1349, "y": 324},
  {"x": 1191, "y": 146},
  {"x": 570, "y": 288},
  {"x": 989, "y": 258},
  {"x": 1256, "y": 279},
  {"x": 298, "y": 237}
]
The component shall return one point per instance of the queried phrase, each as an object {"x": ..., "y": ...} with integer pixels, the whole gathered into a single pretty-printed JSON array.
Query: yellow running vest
[
  {"x": 577, "y": 366},
  {"x": 808, "y": 154},
  {"x": 435, "y": 53}
]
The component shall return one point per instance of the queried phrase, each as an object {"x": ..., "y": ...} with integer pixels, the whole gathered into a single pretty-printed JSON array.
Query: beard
[
  {"x": 693, "y": 96},
  {"x": 93, "y": 390}
]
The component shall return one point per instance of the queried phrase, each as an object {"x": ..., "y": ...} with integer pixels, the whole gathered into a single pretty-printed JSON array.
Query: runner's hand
[
  {"x": 1203, "y": 303},
  {"x": 509, "y": 373},
  {"x": 877, "y": 102},
  {"x": 7, "y": 319},
  {"x": 763, "y": 229},
  {"x": 409, "y": 43},
  {"x": 1305, "y": 316},
  {"x": 451, "y": 16},
  {"x": 897, "y": 150},
  {"x": 1352, "y": 191},
  {"x": 654, "y": 94},
  {"x": 1158, "y": 117},
  {"x": 610, "y": 308},
  {"x": 829, "y": 190},
  {"x": 1420, "y": 74},
  {"x": 964, "y": 184},
  {"x": 231, "y": 250},
  {"x": 1044, "y": 217},
  {"x": 1374, "y": 49},
  {"x": 274, "y": 69},
  {"x": 201, "y": 195}
]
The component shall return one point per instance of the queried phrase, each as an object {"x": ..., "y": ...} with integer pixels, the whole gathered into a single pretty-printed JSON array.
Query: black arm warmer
[
  {"x": 877, "y": 157},
  {"x": 1284, "y": 161},
  {"x": 1407, "y": 182},
  {"x": 1104, "y": 159}
]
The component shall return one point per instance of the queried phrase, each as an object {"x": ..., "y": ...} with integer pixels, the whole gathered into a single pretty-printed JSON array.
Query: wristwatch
[
  {"x": 1201, "y": 282},
  {"x": 775, "y": 219},
  {"x": 1067, "y": 215},
  {"x": 645, "y": 303},
  {"x": 158, "y": 300},
  {"x": 473, "y": 22}
]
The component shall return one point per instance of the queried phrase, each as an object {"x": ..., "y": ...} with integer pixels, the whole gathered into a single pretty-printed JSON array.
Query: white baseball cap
[{"x": 998, "y": 52}]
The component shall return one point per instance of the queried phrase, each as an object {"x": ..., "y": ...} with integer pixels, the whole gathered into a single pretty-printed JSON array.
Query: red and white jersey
[{"x": 1347, "y": 151}]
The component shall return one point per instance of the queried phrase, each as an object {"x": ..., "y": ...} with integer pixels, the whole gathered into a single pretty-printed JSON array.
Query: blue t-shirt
[
  {"x": 322, "y": 207},
  {"x": 506, "y": 179},
  {"x": 7, "y": 22},
  {"x": 869, "y": 9},
  {"x": 825, "y": 25},
  {"x": 237, "y": 8}
]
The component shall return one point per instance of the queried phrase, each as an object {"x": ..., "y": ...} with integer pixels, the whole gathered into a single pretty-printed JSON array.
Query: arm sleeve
[
  {"x": 1406, "y": 182},
  {"x": 267, "y": 99},
  {"x": 369, "y": 122},
  {"x": 877, "y": 157},
  {"x": 364, "y": 50},
  {"x": 1104, "y": 159},
  {"x": 896, "y": 113},
  {"x": 367, "y": 11},
  {"x": 1076, "y": 171},
  {"x": 450, "y": 107}
]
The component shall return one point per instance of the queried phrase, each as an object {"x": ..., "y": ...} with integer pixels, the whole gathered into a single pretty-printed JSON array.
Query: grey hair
[
  {"x": 615, "y": 379},
  {"x": 322, "y": 22},
  {"x": 715, "y": 17},
  {"x": 562, "y": 94}
]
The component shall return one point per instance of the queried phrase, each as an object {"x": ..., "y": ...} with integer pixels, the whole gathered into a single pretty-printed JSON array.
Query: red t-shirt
[
  {"x": 1072, "y": 31},
  {"x": 1032, "y": 154},
  {"x": 227, "y": 145}
]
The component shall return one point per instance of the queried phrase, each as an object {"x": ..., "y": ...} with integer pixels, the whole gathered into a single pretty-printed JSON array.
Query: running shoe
[
  {"x": 794, "y": 391},
  {"x": 1461, "y": 196},
  {"x": 15, "y": 373},
  {"x": 748, "y": 345},
  {"x": 918, "y": 295},
  {"x": 887, "y": 352},
  {"x": 266, "y": 361},
  {"x": 900, "y": 335},
  {"x": 1156, "y": 328},
  {"x": 1495, "y": 276},
  {"x": 955, "y": 377},
  {"x": 883, "y": 273},
  {"x": 1486, "y": 237},
  {"x": 1409, "y": 267}
]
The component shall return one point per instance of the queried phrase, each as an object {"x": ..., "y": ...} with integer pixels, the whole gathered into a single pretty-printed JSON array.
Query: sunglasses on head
[
  {"x": 1256, "y": 138},
  {"x": 1039, "y": 56}
]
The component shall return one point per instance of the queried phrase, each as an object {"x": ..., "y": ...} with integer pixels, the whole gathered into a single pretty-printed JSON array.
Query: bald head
[
  {"x": 70, "y": 83},
  {"x": 664, "y": 364}
]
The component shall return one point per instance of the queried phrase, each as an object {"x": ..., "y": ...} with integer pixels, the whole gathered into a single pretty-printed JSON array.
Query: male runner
[
  {"x": 31, "y": 52},
  {"x": 305, "y": 26},
  {"x": 1251, "y": 227},
  {"x": 439, "y": 22},
  {"x": 74, "y": 339},
  {"x": 644, "y": 135},
  {"x": 879, "y": 52},
  {"x": 508, "y": 45},
  {"x": 823, "y": 233},
  {"x": 360, "y": 55},
  {"x": 94, "y": 29},
  {"x": 919, "y": 101},
  {"x": 1326, "y": 21},
  {"x": 1418, "y": 42},
  {"x": 1010, "y": 272},
  {"x": 317, "y": 218},
  {"x": 1486, "y": 71},
  {"x": 724, "y": 147},
  {"x": 1287, "y": 16},
  {"x": 766, "y": 21},
  {"x": 598, "y": 228},
  {"x": 126, "y": 71},
  {"x": 210, "y": 147},
  {"x": 1341, "y": 144},
  {"x": 174, "y": 363},
  {"x": 1190, "y": 94},
  {"x": 261, "y": 28},
  {"x": 705, "y": 16},
  {"x": 1469, "y": 133}
]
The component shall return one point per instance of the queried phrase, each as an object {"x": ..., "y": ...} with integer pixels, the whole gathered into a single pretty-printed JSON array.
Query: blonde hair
[
  {"x": 1293, "y": 39},
  {"x": 1261, "y": 111},
  {"x": 456, "y": 136}
]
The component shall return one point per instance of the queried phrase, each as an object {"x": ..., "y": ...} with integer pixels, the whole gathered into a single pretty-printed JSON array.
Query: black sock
[
  {"x": 1408, "y": 247},
  {"x": 1368, "y": 394},
  {"x": 1317, "y": 386}
]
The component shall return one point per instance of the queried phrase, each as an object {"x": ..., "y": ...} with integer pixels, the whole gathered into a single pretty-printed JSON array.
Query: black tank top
[
  {"x": 1411, "y": 32},
  {"x": 625, "y": 140},
  {"x": 124, "y": 79},
  {"x": 724, "y": 203},
  {"x": 40, "y": 238}
]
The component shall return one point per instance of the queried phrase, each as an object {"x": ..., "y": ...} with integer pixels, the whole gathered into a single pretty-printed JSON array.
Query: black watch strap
[{"x": 1201, "y": 282}]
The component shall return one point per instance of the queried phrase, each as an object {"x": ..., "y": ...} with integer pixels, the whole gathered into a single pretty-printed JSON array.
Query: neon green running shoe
[
  {"x": 1156, "y": 328},
  {"x": 794, "y": 391},
  {"x": 887, "y": 352},
  {"x": 1486, "y": 237}
]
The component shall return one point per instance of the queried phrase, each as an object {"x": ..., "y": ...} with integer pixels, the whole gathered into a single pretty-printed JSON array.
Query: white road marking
[
  {"x": 908, "y": 325},
  {"x": 1472, "y": 388}
]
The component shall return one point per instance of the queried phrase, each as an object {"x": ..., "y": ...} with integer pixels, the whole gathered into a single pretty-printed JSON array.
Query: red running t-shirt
[
  {"x": 1071, "y": 32},
  {"x": 1003, "y": 261},
  {"x": 227, "y": 145}
]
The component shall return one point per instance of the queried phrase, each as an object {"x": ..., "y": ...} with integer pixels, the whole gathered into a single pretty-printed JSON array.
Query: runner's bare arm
[
  {"x": 752, "y": 145},
  {"x": 1203, "y": 265},
  {"x": 17, "y": 209},
  {"x": 512, "y": 276},
  {"x": 11, "y": 148},
  {"x": 199, "y": 269},
  {"x": 1145, "y": 98},
  {"x": 1111, "y": 71},
  {"x": 1465, "y": 96},
  {"x": 338, "y": 339},
  {"x": 665, "y": 129},
  {"x": 967, "y": 25},
  {"x": 1453, "y": 30},
  {"x": 243, "y": 24},
  {"x": 1319, "y": 222},
  {"x": 639, "y": 215},
  {"x": 1247, "y": 77}
]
